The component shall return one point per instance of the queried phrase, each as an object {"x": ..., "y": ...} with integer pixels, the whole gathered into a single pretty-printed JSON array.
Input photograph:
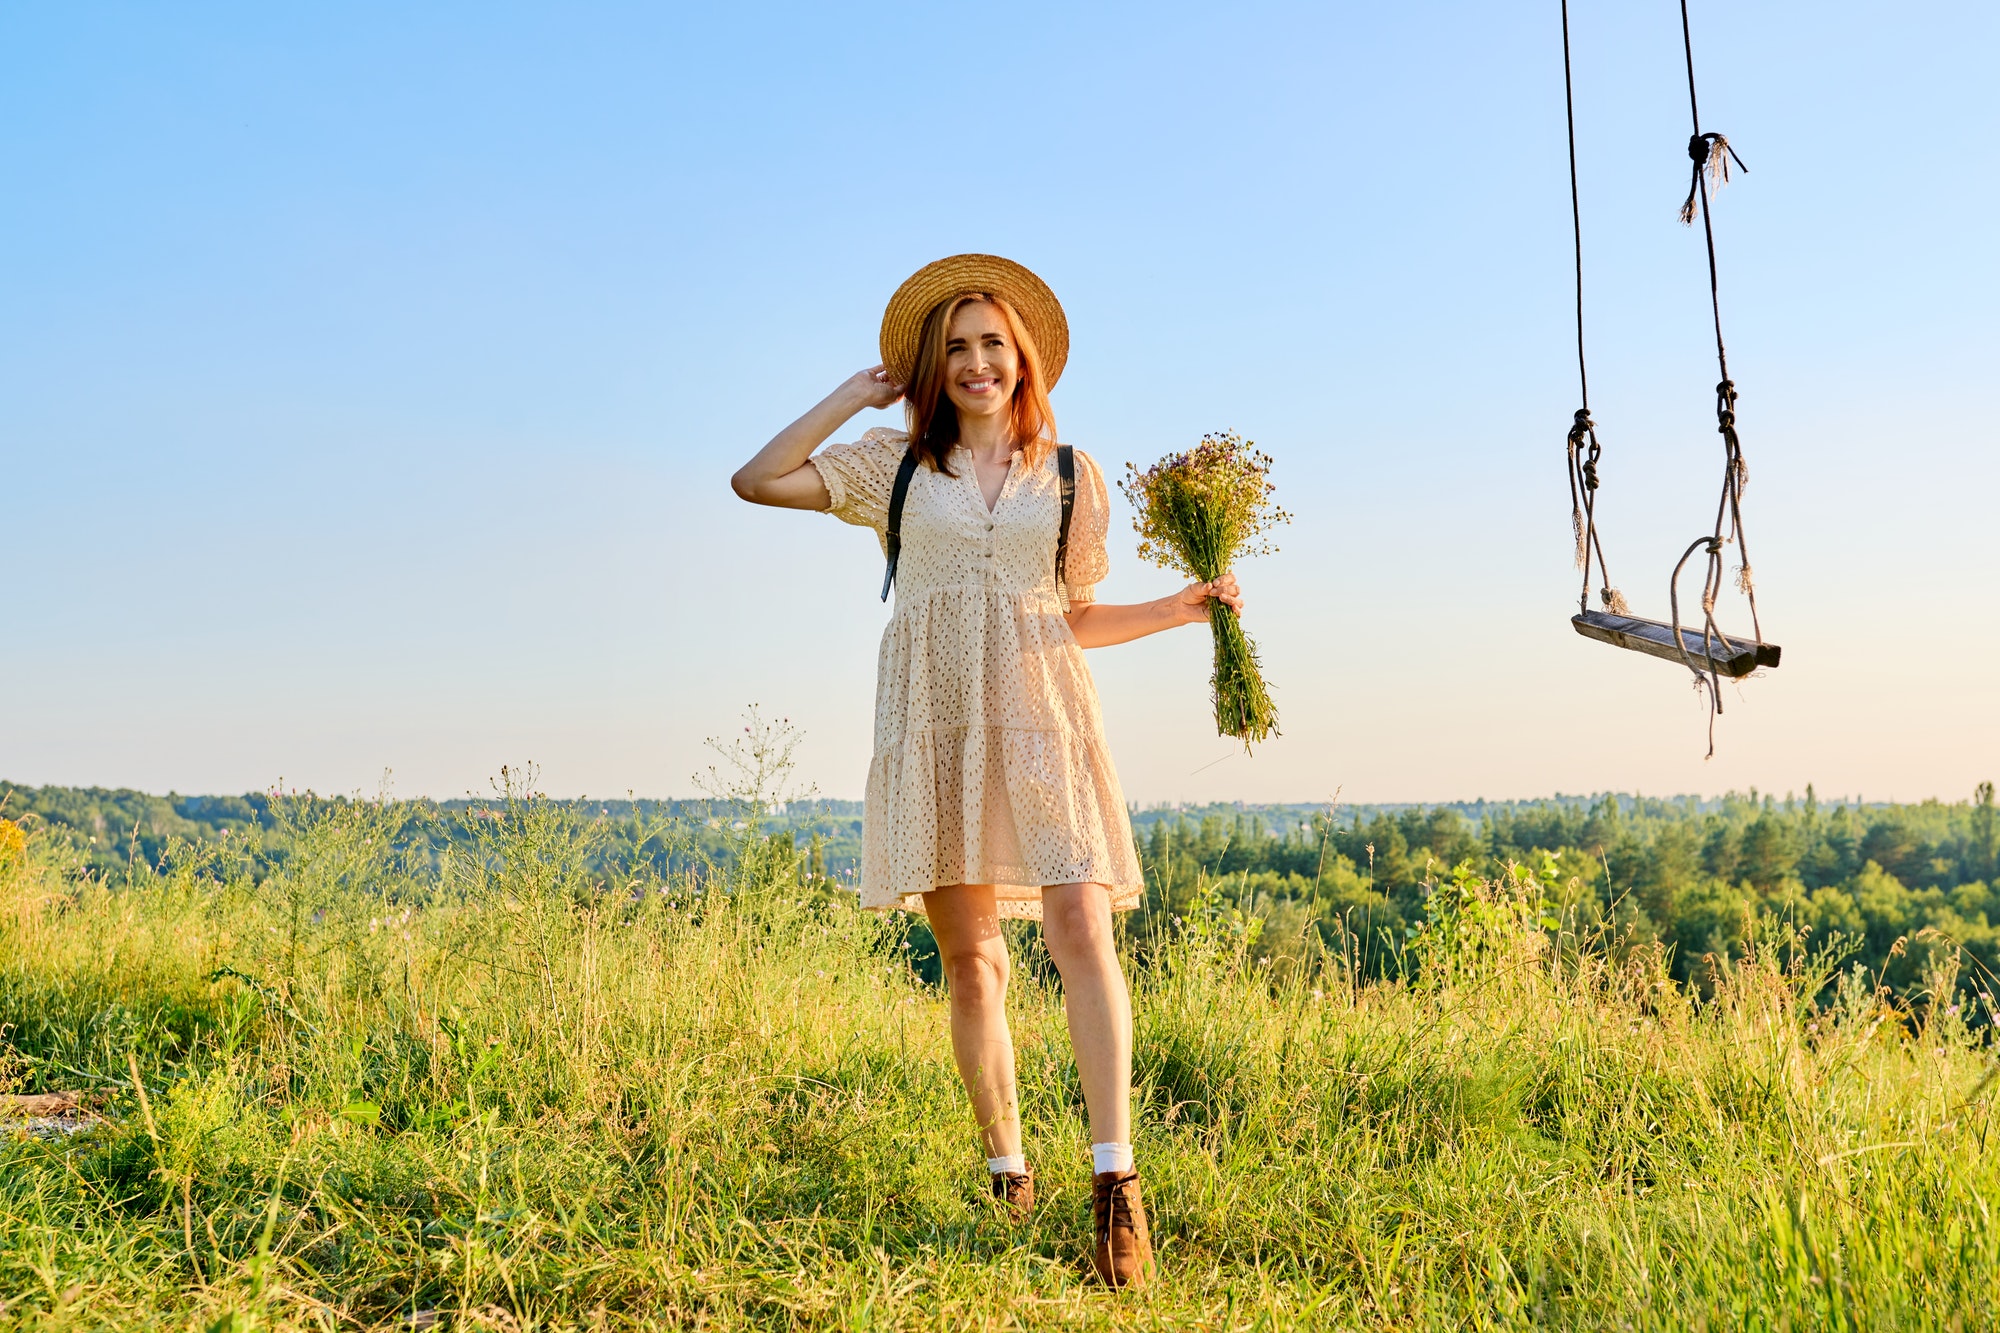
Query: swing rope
[
  {"x": 1710, "y": 155},
  {"x": 1584, "y": 449}
]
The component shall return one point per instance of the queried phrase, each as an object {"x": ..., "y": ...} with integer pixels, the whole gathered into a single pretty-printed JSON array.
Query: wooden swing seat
[{"x": 1736, "y": 658}]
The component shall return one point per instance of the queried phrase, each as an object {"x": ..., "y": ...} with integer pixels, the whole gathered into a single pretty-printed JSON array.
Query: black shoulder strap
[
  {"x": 904, "y": 471},
  {"x": 1066, "y": 472}
]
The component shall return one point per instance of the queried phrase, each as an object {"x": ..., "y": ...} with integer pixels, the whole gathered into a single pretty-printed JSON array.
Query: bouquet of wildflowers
[{"x": 1200, "y": 512}]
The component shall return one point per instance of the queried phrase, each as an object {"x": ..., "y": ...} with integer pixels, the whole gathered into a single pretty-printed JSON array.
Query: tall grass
[{"x": 375, "y": 1085}]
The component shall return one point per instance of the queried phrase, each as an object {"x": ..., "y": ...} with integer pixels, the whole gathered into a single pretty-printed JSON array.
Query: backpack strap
[
  {"x": 894, "y": 536},
  {"x": 1066, "y": 473}
]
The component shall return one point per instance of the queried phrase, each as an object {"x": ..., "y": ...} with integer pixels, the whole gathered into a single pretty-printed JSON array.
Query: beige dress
[{"x": 990, "y": 765}]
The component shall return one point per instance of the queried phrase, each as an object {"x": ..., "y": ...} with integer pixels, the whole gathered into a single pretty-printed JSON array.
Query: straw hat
[{"x": 933, "y": 284}]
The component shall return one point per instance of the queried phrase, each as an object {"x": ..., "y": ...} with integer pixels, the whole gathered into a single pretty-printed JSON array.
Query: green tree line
[
  {"x": 1894, "y": 882},
  {"x": 116, "y": 829}
]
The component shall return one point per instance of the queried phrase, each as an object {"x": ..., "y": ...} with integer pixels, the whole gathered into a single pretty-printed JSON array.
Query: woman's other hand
[
  {"x": 780, "y": 475},
  {"x": 1193, "y": 601},
  {"x": 871, "y": 388}
]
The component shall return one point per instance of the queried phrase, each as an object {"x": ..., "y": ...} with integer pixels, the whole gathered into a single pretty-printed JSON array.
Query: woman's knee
[
  {"x": 1076, "y": 922},
  {"x": 978, "y": 975}
]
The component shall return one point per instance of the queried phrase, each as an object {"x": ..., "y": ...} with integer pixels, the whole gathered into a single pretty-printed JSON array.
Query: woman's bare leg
[
  {"x": 974, "y": 952},
  {"x": 1076, "y": 925}
]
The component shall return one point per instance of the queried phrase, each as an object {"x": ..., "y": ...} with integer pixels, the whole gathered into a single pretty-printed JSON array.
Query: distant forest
[
  {"x": 115, "y": 826},
  {"x": 1897, "y": 882}
]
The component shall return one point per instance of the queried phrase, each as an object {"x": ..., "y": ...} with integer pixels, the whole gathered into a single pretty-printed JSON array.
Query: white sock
[
  {"x": 1018, "y": 1164},
  {"x": 1110, "y": 1157}
]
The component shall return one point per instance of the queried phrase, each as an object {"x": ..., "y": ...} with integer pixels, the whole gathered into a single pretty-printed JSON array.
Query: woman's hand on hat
[
  {"x": 872, "y": 388},
  {"x": 1193, "y": 601}
]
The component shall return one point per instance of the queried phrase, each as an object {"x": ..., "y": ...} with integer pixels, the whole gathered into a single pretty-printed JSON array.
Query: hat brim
[{"x": 957, "y": 275}]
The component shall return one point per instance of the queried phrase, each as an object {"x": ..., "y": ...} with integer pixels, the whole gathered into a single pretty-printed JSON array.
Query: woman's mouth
[{"x": 983, "y": 385}]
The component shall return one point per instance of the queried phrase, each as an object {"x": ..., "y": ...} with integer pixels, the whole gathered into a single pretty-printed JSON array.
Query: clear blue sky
[{"x": 370, "y": 376}]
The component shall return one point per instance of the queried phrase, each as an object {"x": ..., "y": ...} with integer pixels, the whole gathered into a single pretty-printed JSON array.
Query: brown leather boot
[
  {"x": 1124, "y": 1253},
  {"x": 1016, "y": 1192}
]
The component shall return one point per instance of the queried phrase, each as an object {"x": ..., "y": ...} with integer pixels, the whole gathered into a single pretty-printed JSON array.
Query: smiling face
[
  {"x": 982, "y": 365},
  {"x": 977, "y": 359}
]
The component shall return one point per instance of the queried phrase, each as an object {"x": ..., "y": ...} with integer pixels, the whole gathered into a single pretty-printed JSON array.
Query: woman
[{"x": 991, "y": 793}]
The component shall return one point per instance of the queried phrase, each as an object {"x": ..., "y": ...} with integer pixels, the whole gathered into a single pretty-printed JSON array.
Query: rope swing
[{"x": 1715, "y": 654}]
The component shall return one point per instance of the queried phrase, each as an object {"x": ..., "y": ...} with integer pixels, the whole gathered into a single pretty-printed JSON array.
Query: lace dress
[{"x": 990, "y": 765}]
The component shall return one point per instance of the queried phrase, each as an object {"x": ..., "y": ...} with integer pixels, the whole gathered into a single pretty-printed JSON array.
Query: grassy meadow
[{"x": 521, "y": 1082}]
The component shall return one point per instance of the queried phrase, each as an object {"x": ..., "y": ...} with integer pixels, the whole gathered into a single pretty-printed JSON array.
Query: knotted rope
[
  {"x": 1584, "y": 451},
  {"x": 1711, "y": 155},
  {"x": 1583, "y": 448}
]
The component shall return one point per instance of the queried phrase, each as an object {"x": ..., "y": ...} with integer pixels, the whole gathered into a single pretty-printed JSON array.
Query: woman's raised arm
[{"x": 779, "y": 474}]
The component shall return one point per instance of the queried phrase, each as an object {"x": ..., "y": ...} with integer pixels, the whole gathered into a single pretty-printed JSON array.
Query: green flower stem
[{"x": 1243, "y": 706}]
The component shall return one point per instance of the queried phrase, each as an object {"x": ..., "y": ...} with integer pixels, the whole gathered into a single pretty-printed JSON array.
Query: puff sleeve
[
  {"x": 1088, "y": 560},
  {"x": 859, "y": 476}
]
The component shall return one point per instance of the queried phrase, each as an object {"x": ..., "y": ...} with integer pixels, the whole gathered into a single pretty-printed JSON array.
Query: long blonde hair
[{"x": 934, "y": 419}]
